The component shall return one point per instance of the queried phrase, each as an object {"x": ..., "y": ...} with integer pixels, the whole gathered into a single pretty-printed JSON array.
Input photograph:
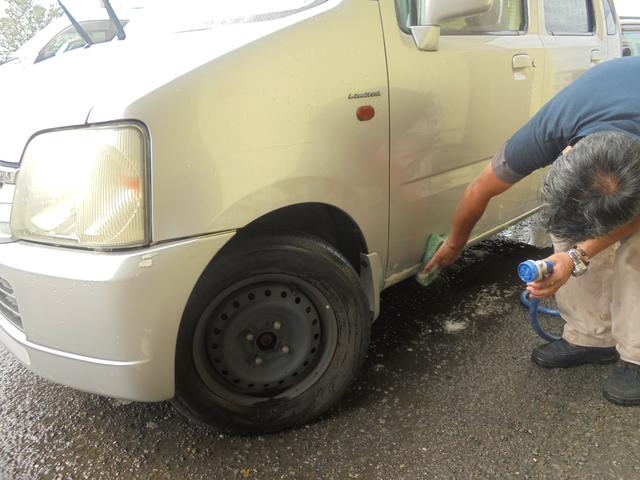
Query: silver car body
[{"x": 245, "y": 120}]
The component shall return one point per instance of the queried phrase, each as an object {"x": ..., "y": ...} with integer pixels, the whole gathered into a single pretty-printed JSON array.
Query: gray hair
[{"x": 593, "y": 188}]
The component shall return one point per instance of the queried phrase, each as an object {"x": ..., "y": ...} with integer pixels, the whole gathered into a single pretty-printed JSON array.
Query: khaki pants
[{"x": 602, "y": 307}]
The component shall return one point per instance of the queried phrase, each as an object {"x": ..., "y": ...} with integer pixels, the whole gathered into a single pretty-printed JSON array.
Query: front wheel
[{"x": 272, "y": 335}]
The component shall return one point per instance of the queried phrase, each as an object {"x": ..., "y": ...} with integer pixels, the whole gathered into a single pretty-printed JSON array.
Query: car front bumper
[{"x": 105, "y": 323}]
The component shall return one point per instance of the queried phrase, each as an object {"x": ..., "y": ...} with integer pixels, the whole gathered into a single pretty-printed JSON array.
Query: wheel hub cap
[{"x": 267, "y": 341}]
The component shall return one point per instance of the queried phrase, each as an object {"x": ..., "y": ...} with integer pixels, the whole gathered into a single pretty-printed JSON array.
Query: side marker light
[{"x": 365, "y": 113}]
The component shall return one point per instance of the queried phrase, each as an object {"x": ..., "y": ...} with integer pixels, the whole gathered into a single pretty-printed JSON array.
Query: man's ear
[{"x": 567, "y": 149}]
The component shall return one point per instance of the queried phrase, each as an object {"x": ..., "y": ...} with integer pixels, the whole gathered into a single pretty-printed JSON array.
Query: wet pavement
[{"x": 447, "y": 391}]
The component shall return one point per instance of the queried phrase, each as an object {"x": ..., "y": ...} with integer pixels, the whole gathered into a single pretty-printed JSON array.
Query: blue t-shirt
[{"x": 605, "y": 97}]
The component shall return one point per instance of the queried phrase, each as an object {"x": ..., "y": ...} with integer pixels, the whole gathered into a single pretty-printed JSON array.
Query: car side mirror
[{"x": 431, "y": 14}]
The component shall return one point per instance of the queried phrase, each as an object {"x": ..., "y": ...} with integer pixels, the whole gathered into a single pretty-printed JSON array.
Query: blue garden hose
[
  {"x": 530, "y": 271},
  {"x": 534, "y": 308}
]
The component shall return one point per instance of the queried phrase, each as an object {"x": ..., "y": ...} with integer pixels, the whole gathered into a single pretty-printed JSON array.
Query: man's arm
[
  {"x": 563, "y": 264},
  {"x": 595, "y": 246},
  {"x": 473, "y": 204}
]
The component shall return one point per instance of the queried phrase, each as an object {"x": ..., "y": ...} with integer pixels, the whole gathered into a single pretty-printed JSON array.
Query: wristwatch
[{"x": 579, "y": 265}]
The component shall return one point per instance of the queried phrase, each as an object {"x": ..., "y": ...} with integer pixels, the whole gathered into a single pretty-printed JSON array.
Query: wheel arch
[{"x": 321, "y": 220}]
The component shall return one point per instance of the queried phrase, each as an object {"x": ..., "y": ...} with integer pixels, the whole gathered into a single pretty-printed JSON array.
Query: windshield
[{"x": 167, "y": 16}]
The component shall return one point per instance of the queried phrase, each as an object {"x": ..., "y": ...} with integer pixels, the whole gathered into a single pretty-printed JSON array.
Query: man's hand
[
  {"x": 444, "y": 256},
  {"x": 547, "y": 287}
]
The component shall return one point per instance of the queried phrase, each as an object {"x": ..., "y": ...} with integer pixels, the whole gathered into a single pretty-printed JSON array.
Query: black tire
[{"x": 273, "y": 334}]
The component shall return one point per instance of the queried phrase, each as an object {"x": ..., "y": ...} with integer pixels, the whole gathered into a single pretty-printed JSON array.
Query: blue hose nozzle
[{"x": 534, "y": 270}]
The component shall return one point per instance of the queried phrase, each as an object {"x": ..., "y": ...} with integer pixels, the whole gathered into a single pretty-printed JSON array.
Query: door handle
[
  {"x": 520, "y": 61},
  {"x": 596, "y": 56}
]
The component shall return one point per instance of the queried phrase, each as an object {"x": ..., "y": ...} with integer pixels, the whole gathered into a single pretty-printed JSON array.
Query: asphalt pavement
[{"x": 448, "y": 391}]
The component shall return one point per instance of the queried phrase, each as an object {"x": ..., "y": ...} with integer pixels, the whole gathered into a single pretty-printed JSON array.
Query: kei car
[{"x": 208, "y": 211}]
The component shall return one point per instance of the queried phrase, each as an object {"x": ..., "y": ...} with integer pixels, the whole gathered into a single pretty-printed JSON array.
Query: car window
[
  {"x": 609, "y": 15},
  {"x": 406, "y": 13},
  {"x": 631, "y": 40},
  {"x": 69, "y": 39},
  {"x": 569, "y": 17},
  {"x": 504, "y": 17}
]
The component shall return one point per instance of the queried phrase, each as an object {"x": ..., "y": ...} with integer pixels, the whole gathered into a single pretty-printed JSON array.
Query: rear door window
[{"x": 569, "y": 17}]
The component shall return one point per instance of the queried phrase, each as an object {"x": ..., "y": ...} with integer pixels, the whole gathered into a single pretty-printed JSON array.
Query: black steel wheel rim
[{"x": 267, "y": 336}]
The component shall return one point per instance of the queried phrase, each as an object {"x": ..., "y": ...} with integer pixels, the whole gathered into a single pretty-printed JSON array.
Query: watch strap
[{"x": 583, "y": 254}]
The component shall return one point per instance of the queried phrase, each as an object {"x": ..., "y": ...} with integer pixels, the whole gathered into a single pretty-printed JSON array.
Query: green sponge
[{"x": 431, "y": 247}]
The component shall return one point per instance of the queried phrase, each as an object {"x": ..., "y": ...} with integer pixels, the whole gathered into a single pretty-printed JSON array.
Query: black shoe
[
  {"x": 561, "y": 354},
  {"x": 623, "y": 385}
]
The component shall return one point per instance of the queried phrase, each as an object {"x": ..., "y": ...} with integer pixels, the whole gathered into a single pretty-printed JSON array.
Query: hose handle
[{"x": 534, "y": 270}]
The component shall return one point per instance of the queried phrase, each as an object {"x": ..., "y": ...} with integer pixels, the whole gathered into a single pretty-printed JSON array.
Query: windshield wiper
[
  {"x": 114, "y": 18},
  {"x": 83, "y": 34}
]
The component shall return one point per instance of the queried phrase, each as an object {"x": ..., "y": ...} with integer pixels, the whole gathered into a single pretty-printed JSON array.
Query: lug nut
[
  {"x": 284, "y": 349},
  {"x": 258, "y": 360},
  {"x": 277, "y": 325},
  {"x": 248, "y": 337}
]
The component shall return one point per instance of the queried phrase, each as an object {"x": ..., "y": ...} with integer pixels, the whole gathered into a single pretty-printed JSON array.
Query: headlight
[{"x": 84, "y": 187}]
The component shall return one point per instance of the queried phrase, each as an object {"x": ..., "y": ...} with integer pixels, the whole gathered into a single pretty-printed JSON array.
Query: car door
[
  {"x": 451, "y": 110},
  {"x": 575, "y": 37}
]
